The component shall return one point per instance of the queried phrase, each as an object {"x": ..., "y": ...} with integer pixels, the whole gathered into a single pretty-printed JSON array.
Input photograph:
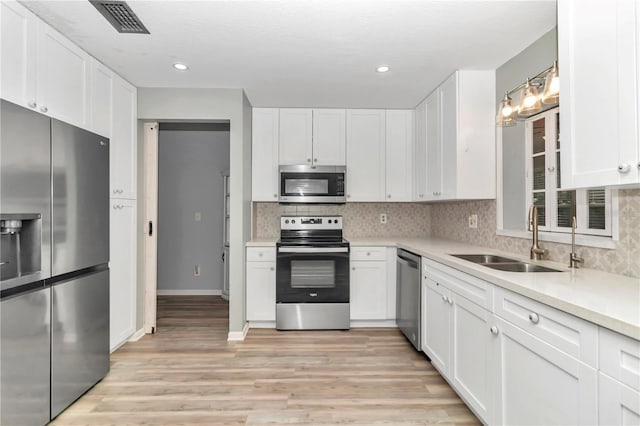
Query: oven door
[
  {"x": 318, "y": 184},
  {"x": 312, "y": 275}
]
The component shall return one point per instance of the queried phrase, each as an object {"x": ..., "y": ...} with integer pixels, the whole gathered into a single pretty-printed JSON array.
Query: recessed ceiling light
[
  {"x": 383, "y": 68},
  {"x": 181, "y": 67}
]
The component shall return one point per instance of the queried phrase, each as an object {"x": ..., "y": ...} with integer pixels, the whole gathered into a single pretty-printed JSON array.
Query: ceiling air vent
[{"x": 120, "y": 15}]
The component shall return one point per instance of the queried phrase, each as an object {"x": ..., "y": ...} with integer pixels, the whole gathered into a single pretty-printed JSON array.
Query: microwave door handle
[{"x": 313, "y": 249}]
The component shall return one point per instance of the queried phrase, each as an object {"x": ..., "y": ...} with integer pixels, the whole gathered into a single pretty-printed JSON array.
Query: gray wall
[
  {"x": 190, "y": 179},
  {"x": 164, "y": 104},
  {"x": 527, "y": 63}
]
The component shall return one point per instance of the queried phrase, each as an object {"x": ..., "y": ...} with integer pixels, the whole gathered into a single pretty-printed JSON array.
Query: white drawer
[
  {"x": 572, "y": 335},
  {"x": 620, "y": 357},
  {"x": 368, "y": 253},
  {"x": 474, "y": 289},
  {"x": 261, "y": 254}
]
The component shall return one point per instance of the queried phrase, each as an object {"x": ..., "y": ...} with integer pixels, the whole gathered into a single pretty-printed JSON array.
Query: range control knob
[
  {"x": 329, "y": 221},
  {"x": 286, "y": 221},
  {"x": 293, "y": 221},
  {"x": 335, "y": 221}
]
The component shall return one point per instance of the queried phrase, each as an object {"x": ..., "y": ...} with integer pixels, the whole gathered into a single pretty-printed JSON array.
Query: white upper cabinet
[
  {"x": 41, "y": 69},
  {"x": 312, "y": 137},
  {"x": 264, "y": 160},
  {"x": 599, "y": 116},
  {"x": 399, "y": 155},
  {"x": 62, "y": 77},
  {"x": 296, "y": 133},
  {"x": 123, "y": 147},
  {"x": 365, "y": 155},
  {"x": 18, "y": 74},
  {"x": 329, "y": 135},
  {"x": 460, "y": 137},
  {"x": 99, "y": 98},
  {"x": 420, "y": 158}
]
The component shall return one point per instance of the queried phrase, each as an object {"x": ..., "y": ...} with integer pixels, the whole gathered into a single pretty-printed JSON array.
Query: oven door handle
[{"x": 313, "y": 249}]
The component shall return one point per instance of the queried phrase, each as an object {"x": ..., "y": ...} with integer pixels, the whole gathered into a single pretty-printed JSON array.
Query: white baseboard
[
  {"x": 137, "y": 335},
  {"x": 189, "y": 292},
  {"x": 373, "y": 323},
  {"x": 238, "y": 336},
  {"x": 262, "y": 324}
]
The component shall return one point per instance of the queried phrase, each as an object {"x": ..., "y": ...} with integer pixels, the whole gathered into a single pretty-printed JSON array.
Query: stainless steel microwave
[{"x": 312, "y": 184}]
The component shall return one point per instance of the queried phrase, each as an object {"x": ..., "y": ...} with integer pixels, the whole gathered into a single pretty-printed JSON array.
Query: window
[{"x": 557, "y": 206}]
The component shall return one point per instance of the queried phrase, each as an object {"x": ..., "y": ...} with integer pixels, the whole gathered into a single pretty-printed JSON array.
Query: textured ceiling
[{"x": 303, "y": 53}]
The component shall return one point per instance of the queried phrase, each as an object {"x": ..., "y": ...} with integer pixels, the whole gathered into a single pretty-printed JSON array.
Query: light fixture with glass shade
[
  {"x": 506, "y": 116},
  {"x": 551, "y": 93},
  {"x": 531, "y": 102}
]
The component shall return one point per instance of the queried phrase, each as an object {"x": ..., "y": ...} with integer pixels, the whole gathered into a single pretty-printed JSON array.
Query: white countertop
[
  {"x": 262, "y": 242},
  {"x": 608, "y": 300}
]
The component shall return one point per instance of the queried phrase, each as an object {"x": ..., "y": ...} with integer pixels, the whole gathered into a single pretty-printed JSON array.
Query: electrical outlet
[
  {"x": 383, "y": 218},
  {"x": 196, "y": 271},
  {"x": 197, "y": 216},
  {"x": 473, "y": 221}
]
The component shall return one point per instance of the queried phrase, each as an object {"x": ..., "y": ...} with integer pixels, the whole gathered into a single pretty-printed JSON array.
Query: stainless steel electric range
[{"x": 312, "y": 274}]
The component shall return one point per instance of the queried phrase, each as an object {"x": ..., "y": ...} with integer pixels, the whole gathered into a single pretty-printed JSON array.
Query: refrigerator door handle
[{"x": 150, "y": 228}]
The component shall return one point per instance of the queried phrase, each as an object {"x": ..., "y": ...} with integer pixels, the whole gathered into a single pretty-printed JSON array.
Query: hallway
[{"x": 188, "y": 374}]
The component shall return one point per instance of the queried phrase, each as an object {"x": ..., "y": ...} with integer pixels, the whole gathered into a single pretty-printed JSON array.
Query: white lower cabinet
[
  {"x": 618, "y": 404},
  {"x": 368, "y": 290},
  {"x": 261, "y": 285},
  {"x": 457, "y": 338},
  {"x": 538, "y": 384},
  {"x": 122, "y": 274}
]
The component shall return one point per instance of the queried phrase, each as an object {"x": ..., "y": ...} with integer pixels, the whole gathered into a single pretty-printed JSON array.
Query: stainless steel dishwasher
[{"x": 408, "y": 296}]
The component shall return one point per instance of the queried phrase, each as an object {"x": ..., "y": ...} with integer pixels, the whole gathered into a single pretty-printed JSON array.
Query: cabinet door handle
[
  {"x": 624, "y": 168},
  {"x": 151, "y": 234},
  {"x": 315, "y": 160},
  {"x": 271, "y": 268},
  {"x": 308, "y": 160},
  {"x": 353, "y": 268},
  {"x": 449, "y": 300},
  {"x": 368, "y": 253},
  {"x": 551, "y": 168},
  {"x": 32, "y": 104},
  {"x": 348, "y": 195},
  {"x": 44, "y": 109},
  {"x": 275, "y": 195},
  {"x": 494, "y": 330},
  {"x": 444, "y": 298},
  {"x": 534, "y": 318},
  {"x": 389, "y": 196}
]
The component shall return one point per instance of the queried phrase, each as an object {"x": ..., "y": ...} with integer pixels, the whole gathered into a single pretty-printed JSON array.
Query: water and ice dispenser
[{"x": 20, "y": 244}]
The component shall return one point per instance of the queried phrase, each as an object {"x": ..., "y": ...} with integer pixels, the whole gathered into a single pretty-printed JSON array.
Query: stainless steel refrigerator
[{"x": 54, "y": 254}]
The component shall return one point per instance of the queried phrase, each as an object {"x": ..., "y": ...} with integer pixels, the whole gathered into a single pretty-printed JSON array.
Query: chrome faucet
[
  {"x": 536, "y": 252},
  {"x": 574, "y": 259}
]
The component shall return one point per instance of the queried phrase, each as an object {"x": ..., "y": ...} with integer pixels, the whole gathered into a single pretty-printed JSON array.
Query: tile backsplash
[
  {"x": 449, "y": 220},
  {"x": 360, "y": 219}
]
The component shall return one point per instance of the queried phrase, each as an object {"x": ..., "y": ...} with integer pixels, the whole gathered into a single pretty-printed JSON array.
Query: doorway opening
[{"x": 192, "y": 217}]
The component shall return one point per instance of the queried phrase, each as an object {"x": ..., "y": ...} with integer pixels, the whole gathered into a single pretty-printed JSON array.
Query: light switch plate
[
  {"x": 383, "y": 218},
  {"x": 473, "y": 221},
  {"x": 197, "y": 216}
]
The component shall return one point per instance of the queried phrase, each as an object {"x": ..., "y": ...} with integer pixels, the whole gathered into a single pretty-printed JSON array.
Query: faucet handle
[{"x": 575, "y": 260}]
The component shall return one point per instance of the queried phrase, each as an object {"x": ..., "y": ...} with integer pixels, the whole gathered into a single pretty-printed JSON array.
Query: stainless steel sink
[
  {"x": 520, "y": 267},
  {"x": 484, "y": 258},
  {"x": 504, "y": 263}
]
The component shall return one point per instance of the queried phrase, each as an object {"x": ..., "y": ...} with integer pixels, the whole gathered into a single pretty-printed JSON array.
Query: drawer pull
[
  {"x": 494, "y": 330},
  {"x": 444, "y": 298},
  {"x": 534, "y": 318},
  {"x": 450, "y": 301}
]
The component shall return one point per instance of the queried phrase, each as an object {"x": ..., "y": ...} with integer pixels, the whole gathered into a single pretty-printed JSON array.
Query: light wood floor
[{"x": 187, "y": 373}]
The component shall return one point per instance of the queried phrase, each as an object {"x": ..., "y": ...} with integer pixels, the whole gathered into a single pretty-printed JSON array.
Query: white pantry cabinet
[
  {"x": 264, "y": 154},
  {"x": 123, "y": 148},
  {"x": 365, "y": 155},
  {"x": 399, "y": 155},
  {"x": 99, "y": 98},
  {"x": 368, "y": 283},
  {"x": 459, "y": 138},
  {"x": 599, "y": 117},
  {"x": 261, "y": 284},
  {"x": 122, "y": 271}
]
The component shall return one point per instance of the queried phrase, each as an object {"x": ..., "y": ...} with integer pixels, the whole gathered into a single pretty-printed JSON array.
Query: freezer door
[
  {"x": 24, "y": 358},
  {"x": 80, "y": 169},
  {"x": 79, "y": 337}
]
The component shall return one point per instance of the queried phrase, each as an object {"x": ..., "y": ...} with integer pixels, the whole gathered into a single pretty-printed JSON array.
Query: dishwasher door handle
[{"x": 407, "y": 262}]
